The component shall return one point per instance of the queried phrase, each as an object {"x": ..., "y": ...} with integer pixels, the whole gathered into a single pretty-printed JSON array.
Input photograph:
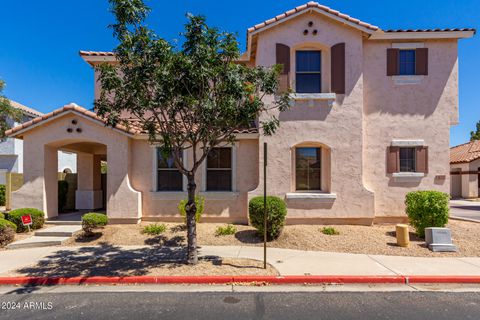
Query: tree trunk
[{"x": 191, "y": 210}]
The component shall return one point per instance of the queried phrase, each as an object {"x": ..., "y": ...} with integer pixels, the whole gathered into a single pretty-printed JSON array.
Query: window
[
  {"x": 308, "y": 169},
  {"x": 407, "y": 62},
  {"x": 407, "y": 159},
  {"x": 219, "y": 169},
  {"x": 308, "y": 71},
  {"x": 169, "y": 178}
]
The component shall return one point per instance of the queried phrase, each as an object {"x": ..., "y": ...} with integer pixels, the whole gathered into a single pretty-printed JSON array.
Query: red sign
[{"x": 27, "y": 220}]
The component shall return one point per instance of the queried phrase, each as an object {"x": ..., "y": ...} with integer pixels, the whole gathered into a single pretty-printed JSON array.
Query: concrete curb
[{"x": 237, "y": 279}]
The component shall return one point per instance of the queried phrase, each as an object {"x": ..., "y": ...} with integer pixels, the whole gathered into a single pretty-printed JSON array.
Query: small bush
[
  {"x": 7, "y": 232},
  {"x": 62, "y": 195},
  {"x": 226, "y": 230},
  {"x": 15, "y": 216},
  {"x": 276, "y": 213},
  {"x": 199, "y": 203},
  {"x": 2, "y": 194},
  {"x": 427, "y": 209},
  {"x": 330, "y": 231},
  {"x": 154, "y": 229},
  {"x": 91, "y": 221},
  {"x": 2, "y": 216}
]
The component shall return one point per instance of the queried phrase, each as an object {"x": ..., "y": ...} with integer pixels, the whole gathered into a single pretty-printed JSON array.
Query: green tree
[
  {"x": 475, "y": 135},
  {"x": 194, "y": 96},
  {"x": 6, "y": 112}
]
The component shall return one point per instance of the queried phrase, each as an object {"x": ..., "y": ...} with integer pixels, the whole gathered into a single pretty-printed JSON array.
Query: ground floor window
[
  {"x": 169, "y": 178},
  {"x": 219, "y": 169},
  {"x": 408, "y": 160},
  {"x": 308, "y": 169}
]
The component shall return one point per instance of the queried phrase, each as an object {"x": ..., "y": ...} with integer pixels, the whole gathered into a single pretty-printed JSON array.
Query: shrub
[
  {"x": 276, "y": 213},
  {"x": 2, "y": 216},
  {"x": 7, "y": 232},
  {"x": 154, "y": 229},
  {"x": 226, "y": 230},
  {"x": 2, "y": 194},
  {"x": 92, "y": 221},
  {"x": 427, "y": 209},
  {"x": 199, "y": 203},
  {"x": 15, "y": 216},
  {"x": 330, "y": 231},
  {"x": 62, "y": 194}
]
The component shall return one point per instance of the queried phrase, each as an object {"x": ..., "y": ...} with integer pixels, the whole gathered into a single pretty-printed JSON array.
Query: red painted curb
[{"x": 235, "y": 279}]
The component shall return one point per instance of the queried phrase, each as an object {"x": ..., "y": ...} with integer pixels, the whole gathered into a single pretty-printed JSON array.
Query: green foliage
[
  {"x": 276, "y": 214},
  {"x": 7, "y": 232},
  {"x": 2, "y": 216},
  {"x": 6, "y": 112},
  {"x": 199, "y": 204},
  {"x": 15, "y": 216},
  {"x": 475, "y": 135},
  {"x": 154, "y": 229},
  {"x": 91, "y": 221},
  {"x": 427, "y": 209},
  {"x": 225, "y": 230},
  {"x": 62, "y": 194},
  {"x": 330, "y": 231},
  {"x": 3, "y": 191}
]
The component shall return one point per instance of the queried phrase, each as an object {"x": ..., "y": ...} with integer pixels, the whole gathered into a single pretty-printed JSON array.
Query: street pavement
[
  {"x": 241, "y": 305},
  {"x": 465, "y": 209}
]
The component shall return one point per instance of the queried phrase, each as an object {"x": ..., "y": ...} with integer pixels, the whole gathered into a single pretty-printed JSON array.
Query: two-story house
[
  {"x": 11, "y": 150},
  {"x": 369, "y": 122}
]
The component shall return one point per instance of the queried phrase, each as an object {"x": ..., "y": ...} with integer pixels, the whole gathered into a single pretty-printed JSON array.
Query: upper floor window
[
  {"x": 169, "y": 178},
  {"x": 407, "y": 62},
  {"x": 408, "y": 160},
  {"x": 308, "y": 169},
  {"x": 219, "y": 169},
  {"x": 308, "y": 71}
]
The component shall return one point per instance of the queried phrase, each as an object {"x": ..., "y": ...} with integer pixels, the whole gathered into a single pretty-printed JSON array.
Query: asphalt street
[
  {"x": 18, "y": 304},
  {"x": 465, "y": 209}
]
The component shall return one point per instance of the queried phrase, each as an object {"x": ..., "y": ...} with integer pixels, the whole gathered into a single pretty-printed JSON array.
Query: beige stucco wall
[
  {"x": 417, "y": 111},
  {"x": 339, "y": 127},
  {"x": 40, "y": 167},
  {"x": 465, "y": 185},
  {"x": 219, "y": 206}
]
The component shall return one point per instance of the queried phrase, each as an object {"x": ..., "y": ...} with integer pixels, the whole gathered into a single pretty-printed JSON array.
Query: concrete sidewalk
[{"x": 286, "y": 261}]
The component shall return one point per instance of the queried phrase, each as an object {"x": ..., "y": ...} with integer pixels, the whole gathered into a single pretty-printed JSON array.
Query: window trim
[
  {"x": 295, "y": 169},
  {"x": 155, "y": 172},
  {"x": 320, "y": 73},
  {"x": 233, "y": 190}
]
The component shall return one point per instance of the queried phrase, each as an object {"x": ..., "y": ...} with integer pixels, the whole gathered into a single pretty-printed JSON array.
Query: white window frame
[
  {"x": 234, "y": 172},
  {"x": 155, "y": 172}
]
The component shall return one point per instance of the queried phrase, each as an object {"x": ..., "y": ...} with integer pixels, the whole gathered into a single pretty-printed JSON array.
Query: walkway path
[{"x": 287, "y": 262}]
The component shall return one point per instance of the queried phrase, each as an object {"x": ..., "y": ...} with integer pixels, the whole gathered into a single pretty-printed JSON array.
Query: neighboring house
[
  {"x": 465, "y": 170},
  {"x": 11, "y": 150},
  {"x": 370, "y": 121}
]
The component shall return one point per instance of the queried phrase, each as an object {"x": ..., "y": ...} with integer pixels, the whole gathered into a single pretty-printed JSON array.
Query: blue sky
[{"x": 40, "y": 40}]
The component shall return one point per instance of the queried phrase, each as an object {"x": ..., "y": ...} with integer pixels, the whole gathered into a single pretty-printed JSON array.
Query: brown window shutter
[
  {"x": 283, "y": 57},
  {"x": 421, "y": 61},
  {"x": 338, "y": 68},
  {"x": 393, "y": 159},
  {"x": 393, "y": 68},
  {"x": 422, "y": 159}
]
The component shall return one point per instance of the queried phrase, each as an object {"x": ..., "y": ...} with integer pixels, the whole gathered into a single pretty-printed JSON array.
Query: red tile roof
[
  {"x": 132, "y": 126},
  {"x": 431, "y": 30},
  {"x": 96, "y": 53},
  {"x": 314, "y": 5},
  {"x": 27, "y": 110},
  {"x": 466, "y": 152}
]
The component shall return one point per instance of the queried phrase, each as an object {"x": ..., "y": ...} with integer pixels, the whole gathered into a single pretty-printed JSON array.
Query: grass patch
[
  {"x": 155, "y": 229},
  {"x": 330, "y": 231},
  {"x": 225, "y": 230}
]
